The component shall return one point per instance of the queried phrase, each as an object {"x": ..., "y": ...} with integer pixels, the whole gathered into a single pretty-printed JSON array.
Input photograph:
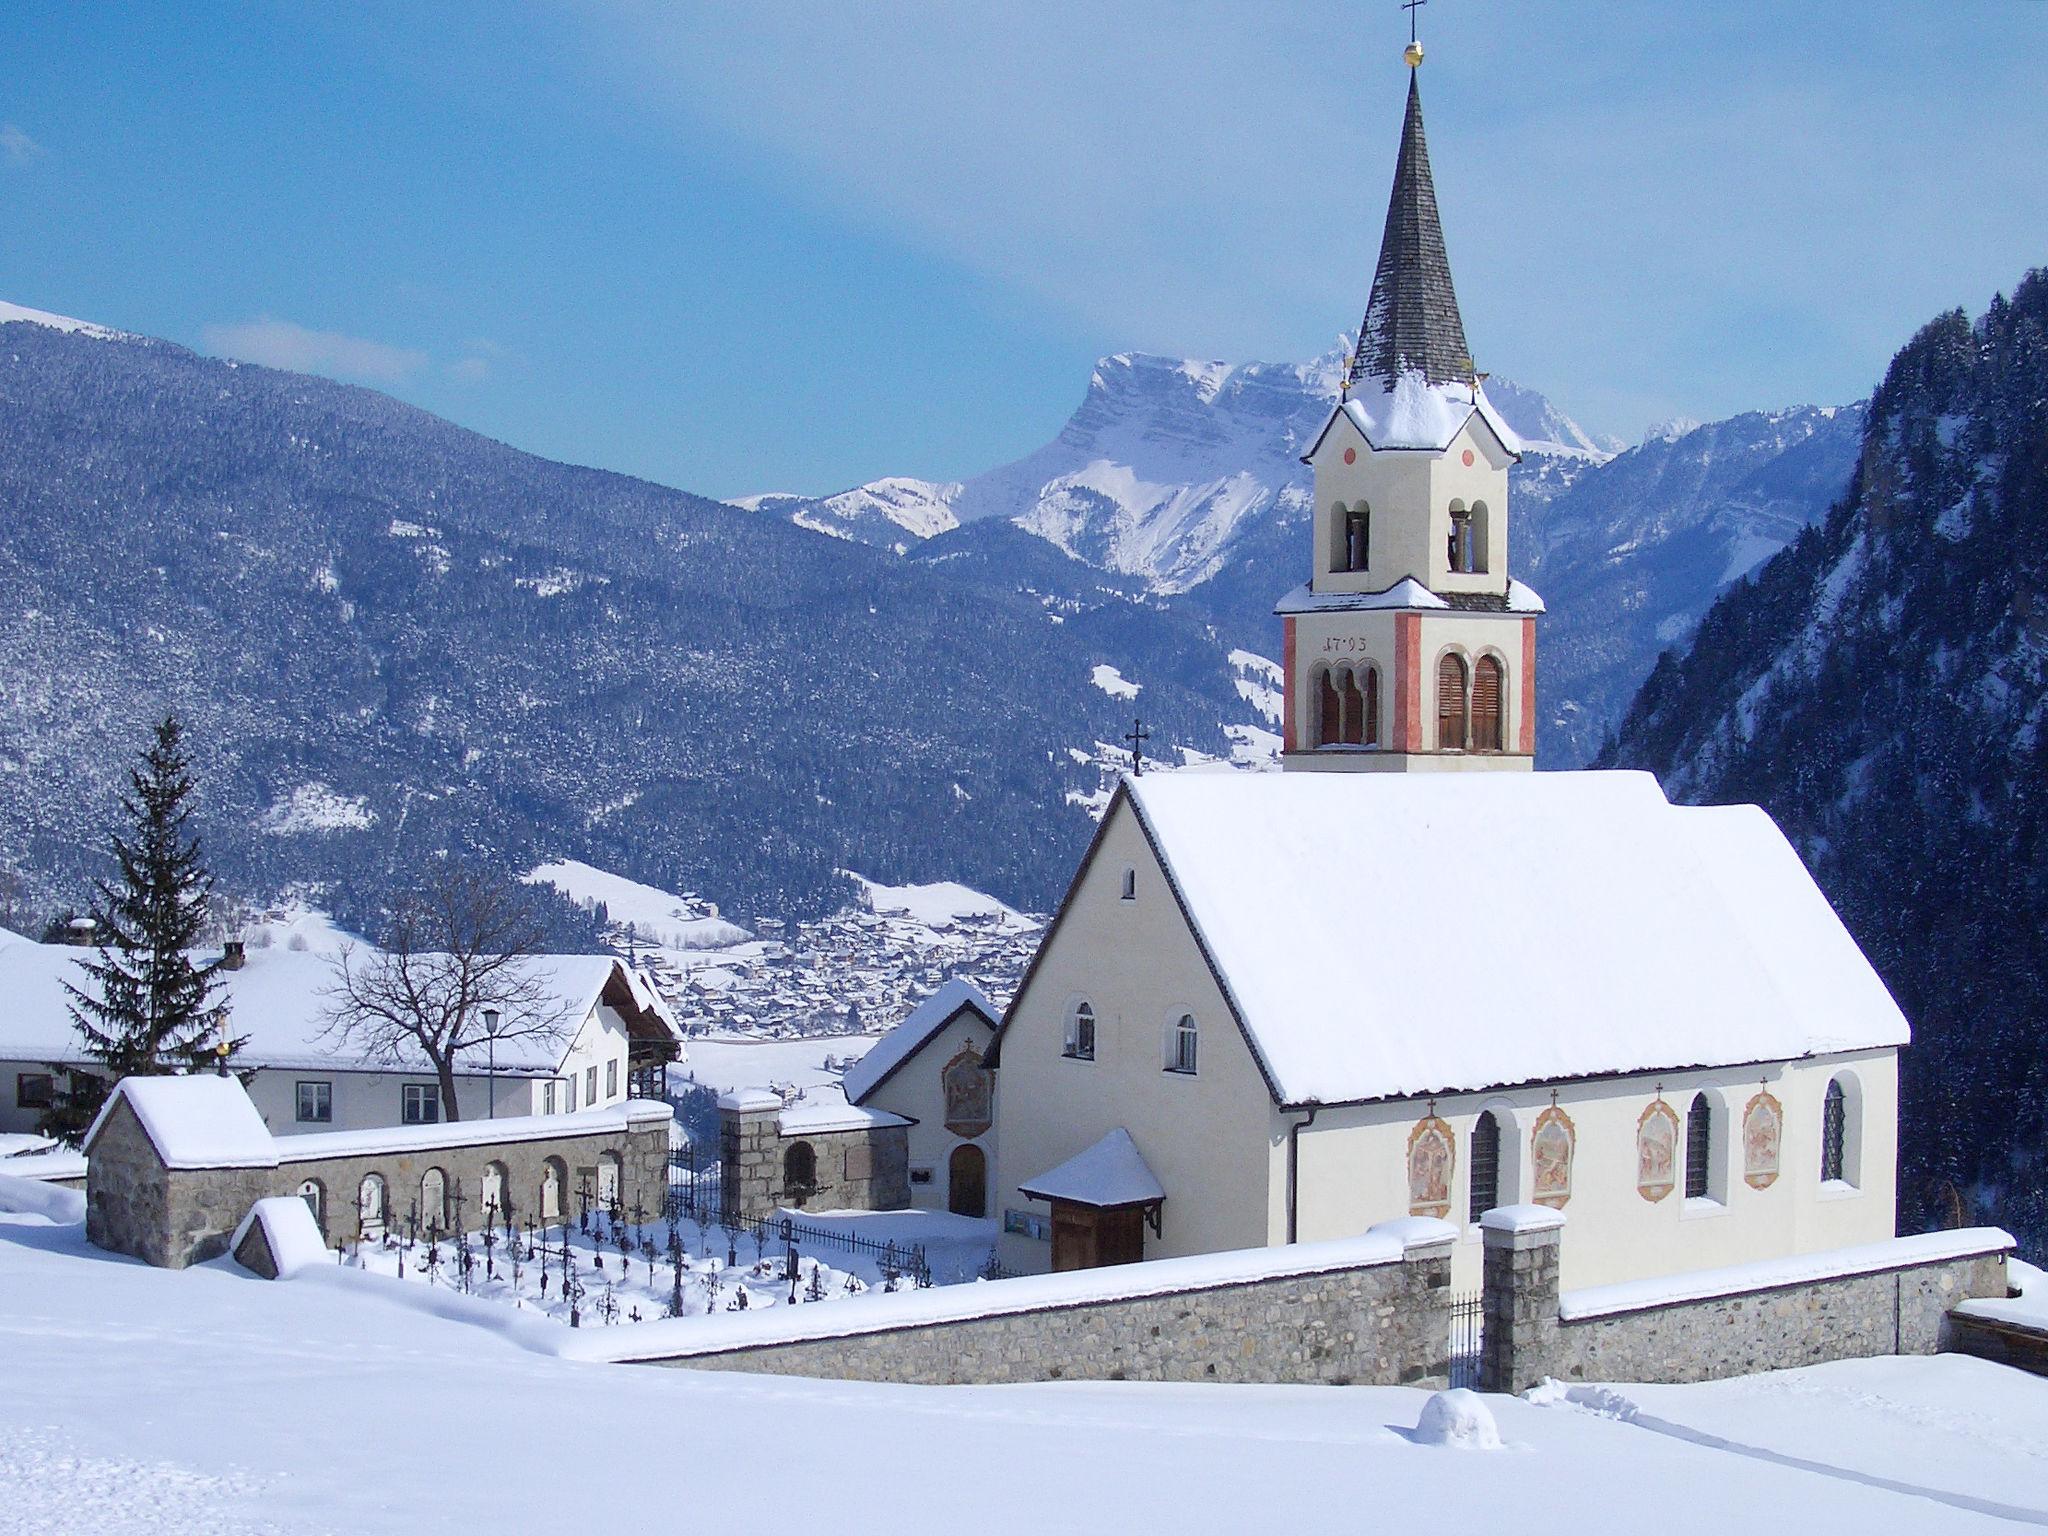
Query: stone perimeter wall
[
  {"x": 1378, "y": 1324},
  {"x": 1899, "y": 1309},
  {"x": 172, "y": 1217},
  {"x": 1891, "y": 1312},
  {"x": 863, "y": 1169}
]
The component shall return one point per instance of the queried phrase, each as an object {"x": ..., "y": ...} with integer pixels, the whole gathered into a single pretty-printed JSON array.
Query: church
[{"x": 1406, "y": 976}]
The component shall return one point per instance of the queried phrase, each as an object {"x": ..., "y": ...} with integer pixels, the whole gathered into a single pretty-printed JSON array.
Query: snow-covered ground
[
  {"x": 659, "y": 918},
  {"x": 141, "y": 1400}
]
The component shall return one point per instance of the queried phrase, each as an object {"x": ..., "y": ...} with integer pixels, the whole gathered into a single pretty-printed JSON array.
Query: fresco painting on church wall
[
  {"x": 1657, "y": 1152},
  {"x": 1763, "y": 1133},
  {"x": 970, "y": 1094},
  {"x": 1550, "y": 1155},
  {"x": 1431, "y": 1154}
]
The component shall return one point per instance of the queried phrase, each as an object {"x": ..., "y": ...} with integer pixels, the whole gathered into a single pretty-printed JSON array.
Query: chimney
[{"x": 234, "y": 954}]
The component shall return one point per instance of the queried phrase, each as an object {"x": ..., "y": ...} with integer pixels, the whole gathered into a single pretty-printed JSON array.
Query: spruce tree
[{"x": 147, "y": 1008}]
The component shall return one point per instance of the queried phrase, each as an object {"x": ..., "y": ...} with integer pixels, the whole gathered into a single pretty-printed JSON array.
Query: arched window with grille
[
  {"x": 1699, "y": 1148},
  {"x": 1358, "y": 538},
  {"x": 1453, "y": 717},
  {"x": 1329, "y": 710},
  {"x": 1489, "y": 682},
  {"x": 1834, "y": 1131},
  {"x": 1483, "y": 1187},
  {"x": 799, "y": 1173}
]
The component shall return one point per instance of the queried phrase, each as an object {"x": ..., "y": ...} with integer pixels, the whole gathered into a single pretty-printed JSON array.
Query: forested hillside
[{"x": 1880, "y": 687}]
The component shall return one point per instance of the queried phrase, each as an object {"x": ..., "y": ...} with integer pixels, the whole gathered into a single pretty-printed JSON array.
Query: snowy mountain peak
[{"x": 13, "y": 313}]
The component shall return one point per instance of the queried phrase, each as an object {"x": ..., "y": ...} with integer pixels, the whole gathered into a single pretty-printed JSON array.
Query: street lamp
[{"x": 491, "y": 1017}]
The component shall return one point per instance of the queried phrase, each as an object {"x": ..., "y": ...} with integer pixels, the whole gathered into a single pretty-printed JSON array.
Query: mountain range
[{"x": 1182, "y": 480}]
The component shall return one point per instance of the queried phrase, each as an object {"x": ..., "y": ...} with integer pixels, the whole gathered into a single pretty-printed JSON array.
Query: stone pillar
[
  {"x": 1519, "y": 1300},
  {"x": 645, "y": 1155},
  {"x": 749, "y": 1137}
]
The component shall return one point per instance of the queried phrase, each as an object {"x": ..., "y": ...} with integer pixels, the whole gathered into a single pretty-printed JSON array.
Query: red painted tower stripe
[
  {"x": 1408, "y": 682},
  {"x": 1287, "y": 731},
  {"x": 1529, "y": 686}
]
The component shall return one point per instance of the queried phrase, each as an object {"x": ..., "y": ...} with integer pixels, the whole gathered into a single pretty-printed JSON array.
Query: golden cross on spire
[{"x": 1413, "y": 52}]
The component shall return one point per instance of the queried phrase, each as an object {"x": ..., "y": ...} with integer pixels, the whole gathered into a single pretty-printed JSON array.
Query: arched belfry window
[
  {"x": 1353, "y": 700},
  {"x": 1699, "y": 1147},
  {"x": 1358, "y": 538},
  {"x": 1453, "y": 717},
  {"x": 1483, "y": 1191},
  {"x": 1834, "y": 1131},
  {"x": 1461, "y": 553},
  {"x": 1329, "y": 710},
  {"x": 1481, "y": 551},
  {"x": 1488, "y": 684}
]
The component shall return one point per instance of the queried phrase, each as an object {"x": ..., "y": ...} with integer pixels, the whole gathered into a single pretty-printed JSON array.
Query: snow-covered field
[
  {"x": 140, "y": 1400},
  {"x": 725, "y": 1063}
]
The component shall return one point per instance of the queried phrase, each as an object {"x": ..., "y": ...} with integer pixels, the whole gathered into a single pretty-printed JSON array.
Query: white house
[
  {"x": 929, "y": 1070},
  {"x": 613, "y": 1026},
  {"x": 1282, "y": 1007}
]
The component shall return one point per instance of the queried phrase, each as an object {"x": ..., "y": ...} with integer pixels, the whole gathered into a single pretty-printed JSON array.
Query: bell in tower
[{"x": 1410, "y": 647}]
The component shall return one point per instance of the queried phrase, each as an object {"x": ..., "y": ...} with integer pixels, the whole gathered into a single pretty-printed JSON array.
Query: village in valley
[{"x": 1369, "y": 1109}]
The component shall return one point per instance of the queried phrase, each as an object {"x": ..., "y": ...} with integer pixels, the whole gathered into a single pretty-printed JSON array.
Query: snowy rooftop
[
  {"x": 1416, "y": 414},
  {"x": 1407, "y": 593},
  {"x": 907, "y": 1038},
  {"x": 196, "y": 1121},
  {"x": 1112, "y": 1172},
  {"x": 279, "y": 1000},
  {"x": 1348, "y": 918}
]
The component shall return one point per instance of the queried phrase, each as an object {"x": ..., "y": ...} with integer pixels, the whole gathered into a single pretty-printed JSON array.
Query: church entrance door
[
  {"x": 1091, "y": 1237},
  {"x": 967, "y": 1181}
]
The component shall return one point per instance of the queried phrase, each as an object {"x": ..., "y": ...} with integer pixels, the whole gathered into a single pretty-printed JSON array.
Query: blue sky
[{"x": 795, "y": 244}]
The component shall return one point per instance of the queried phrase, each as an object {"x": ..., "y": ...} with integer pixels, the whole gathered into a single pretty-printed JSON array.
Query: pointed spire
[{"x": 1411, "y": 321}]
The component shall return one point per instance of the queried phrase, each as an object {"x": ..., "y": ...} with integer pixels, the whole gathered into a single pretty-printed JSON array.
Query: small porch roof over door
[{"x": 1110, "y": 1175}]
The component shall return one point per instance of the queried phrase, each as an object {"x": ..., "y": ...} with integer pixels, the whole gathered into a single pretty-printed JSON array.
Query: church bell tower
[{"x": 1410, "y": 648}]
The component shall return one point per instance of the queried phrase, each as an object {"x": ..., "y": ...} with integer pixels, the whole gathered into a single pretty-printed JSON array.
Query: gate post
[
  {"x": 1519, "y": 1296},
  {"x": 749, "y": 1132}
]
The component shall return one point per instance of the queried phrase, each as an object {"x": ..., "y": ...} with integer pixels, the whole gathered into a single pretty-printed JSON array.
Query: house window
[
  {"x": 34, "y": 1090},
  {"x": 1483, "y": 1191},
  {"x": 611, "y": 1079},
  {"x": 1699, "y": 1148},
  {"x": 1488, "y": 683},
  {"x": 1358, "y": 538},
  {"x": 590, "y": 1086},
  {"x": 1463, "y": 559},
  {"x": 1834, "y": 1131},
  {"x": 1180, "y": 1048},
  {"x": 1452, "y": 714},
  {"x": 422, "y": 1104},
  {"x": 1081, "y": 1033},
  {"x": 572, "y": 1093},
  {"x": 316, "y": 1102},
  {"x": 548, "y": 1098},
  {"x": 1130, "y": 885}
]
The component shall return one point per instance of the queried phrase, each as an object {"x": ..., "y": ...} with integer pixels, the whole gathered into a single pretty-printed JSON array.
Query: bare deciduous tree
[{"x": 460, "y": 945}]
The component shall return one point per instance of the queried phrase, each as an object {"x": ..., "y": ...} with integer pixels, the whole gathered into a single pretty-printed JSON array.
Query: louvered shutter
[
  {"x": 1486, "y": 735},
  {"x": 1450, "y": 704}
]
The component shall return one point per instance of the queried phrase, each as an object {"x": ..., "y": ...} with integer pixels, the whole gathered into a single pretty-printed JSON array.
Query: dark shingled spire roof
[{"x": 1411, "y": 321}]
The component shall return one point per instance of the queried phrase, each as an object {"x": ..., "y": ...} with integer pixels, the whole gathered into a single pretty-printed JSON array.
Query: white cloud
[
  {"x": 281, "y": 344},
  {"x": 16, "y": 147}
]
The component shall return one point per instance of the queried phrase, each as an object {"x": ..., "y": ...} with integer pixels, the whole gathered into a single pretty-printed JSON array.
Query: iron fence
[
  {"x": 1468, "y": 1330},
  {"x": 697, "y": 1197}
]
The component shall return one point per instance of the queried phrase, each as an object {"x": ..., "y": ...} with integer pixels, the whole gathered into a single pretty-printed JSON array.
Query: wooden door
[
  {"x": 967, "y": 1182},
  {"x": 1073, "y": 1237}
]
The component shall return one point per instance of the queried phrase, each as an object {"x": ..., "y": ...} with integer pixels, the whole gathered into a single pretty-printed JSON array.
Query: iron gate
[{"x": 1468, "y": 1325}]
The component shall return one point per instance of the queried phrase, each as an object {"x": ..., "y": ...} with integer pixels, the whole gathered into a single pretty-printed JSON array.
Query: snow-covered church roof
[
  {"x": 1413, "y": 413},
  {"x": 909, "y": 1037},
  {"x": 1385, "y": 936}
]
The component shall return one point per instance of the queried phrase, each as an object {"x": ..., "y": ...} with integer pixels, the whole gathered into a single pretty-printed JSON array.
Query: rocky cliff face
[{"x": 1880, "y": 687}]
